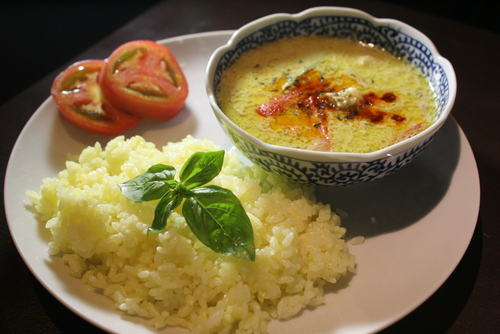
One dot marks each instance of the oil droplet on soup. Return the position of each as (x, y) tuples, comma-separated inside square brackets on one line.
[(326, 94)]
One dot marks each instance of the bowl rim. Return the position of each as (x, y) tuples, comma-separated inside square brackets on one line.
[(302, 154)]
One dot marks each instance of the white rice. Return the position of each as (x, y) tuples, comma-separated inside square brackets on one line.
[(357, 240), (170, 277)]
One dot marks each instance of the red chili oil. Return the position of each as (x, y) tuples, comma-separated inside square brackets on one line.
[(303, 102)]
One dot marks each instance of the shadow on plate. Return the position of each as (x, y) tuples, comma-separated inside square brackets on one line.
[(441, 310), (403, 198)]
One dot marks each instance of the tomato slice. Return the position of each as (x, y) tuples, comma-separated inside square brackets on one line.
[(144, 78), (78, 96)]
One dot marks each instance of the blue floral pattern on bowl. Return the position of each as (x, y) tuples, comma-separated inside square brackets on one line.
[(327, 173), (394, 41), (324, 173)]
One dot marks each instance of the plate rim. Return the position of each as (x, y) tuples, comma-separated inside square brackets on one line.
[(10, 219)]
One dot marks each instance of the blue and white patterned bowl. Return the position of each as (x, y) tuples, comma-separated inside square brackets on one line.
[(326, 168)]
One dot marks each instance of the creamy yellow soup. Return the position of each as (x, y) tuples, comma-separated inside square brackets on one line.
[(326, 94)]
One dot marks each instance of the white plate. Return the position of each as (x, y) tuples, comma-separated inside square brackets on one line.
[(418, 222)]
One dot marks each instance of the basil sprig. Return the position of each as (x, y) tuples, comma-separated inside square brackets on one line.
[(214, 214)]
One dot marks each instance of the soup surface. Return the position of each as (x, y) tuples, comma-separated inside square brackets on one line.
[(326, 94)]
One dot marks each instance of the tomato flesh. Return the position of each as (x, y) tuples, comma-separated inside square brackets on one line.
[(79, 98), (144, 78)]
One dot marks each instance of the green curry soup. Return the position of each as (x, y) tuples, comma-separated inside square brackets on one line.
[(326, 94)]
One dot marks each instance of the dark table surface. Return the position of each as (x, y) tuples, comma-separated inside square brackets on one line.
[(468, 302)]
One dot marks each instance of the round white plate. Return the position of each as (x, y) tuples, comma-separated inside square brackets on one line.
[(418, 222)]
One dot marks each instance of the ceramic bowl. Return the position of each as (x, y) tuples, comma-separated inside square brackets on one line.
[(327, 168)]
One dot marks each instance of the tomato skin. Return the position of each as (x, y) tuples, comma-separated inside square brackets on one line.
[(78, 97), (144, 78)]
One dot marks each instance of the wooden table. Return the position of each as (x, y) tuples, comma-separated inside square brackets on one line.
[(468, 302)]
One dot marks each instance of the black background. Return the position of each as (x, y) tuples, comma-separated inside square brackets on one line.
[(38, 36)]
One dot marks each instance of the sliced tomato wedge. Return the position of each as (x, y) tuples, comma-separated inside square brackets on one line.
[(144, 78), (78, 96)]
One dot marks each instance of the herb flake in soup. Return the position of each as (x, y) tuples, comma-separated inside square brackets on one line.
[(326, 94)]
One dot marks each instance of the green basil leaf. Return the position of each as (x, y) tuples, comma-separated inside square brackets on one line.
[(217, 218), (150, 185), (201, 168), (163, 209), (214, 214)]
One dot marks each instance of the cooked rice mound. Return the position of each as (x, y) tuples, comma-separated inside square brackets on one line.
[(171, 278)]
